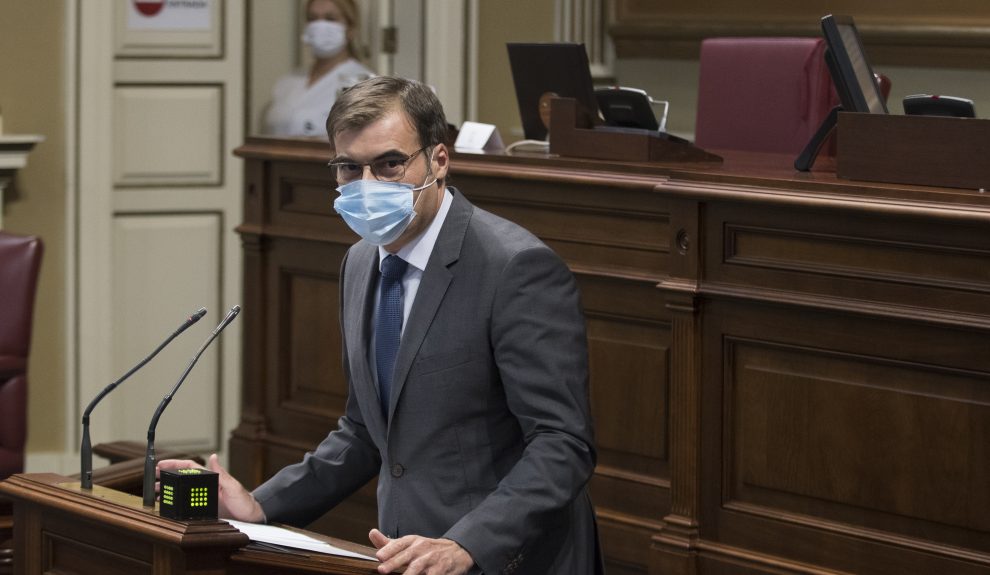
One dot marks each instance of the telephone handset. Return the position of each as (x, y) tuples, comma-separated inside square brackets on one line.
[(630, 108)]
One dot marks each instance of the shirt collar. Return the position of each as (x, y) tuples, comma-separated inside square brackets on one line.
[(417, 251)]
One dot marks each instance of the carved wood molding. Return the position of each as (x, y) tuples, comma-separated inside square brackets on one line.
[(953, 36)]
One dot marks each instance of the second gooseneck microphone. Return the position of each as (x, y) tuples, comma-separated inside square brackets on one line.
[(149, 461)]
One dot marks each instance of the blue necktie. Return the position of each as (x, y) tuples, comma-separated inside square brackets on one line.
[(389, 328)]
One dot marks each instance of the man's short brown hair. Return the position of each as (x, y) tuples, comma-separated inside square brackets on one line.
[(368, 101)]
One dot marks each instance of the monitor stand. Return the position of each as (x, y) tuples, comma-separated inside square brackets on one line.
[(807, 158)]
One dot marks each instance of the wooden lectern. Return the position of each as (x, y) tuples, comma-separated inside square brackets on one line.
[(59, 528)]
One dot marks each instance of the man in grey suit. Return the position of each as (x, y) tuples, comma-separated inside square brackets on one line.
[(465, 354)]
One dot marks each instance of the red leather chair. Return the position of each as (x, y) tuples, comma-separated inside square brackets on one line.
[(762, 94), (20, 260)]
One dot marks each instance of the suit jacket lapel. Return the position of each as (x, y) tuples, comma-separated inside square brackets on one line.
[(432, 289)]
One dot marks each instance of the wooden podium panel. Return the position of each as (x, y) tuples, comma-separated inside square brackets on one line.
[(788, 371), (261, 562), (60, 528)]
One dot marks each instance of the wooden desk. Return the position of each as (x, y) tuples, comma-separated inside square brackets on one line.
[(789, 372)]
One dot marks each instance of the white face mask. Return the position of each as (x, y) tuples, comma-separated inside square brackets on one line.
[(325, 38)]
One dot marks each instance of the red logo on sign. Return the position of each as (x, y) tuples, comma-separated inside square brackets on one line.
[(149, 7)]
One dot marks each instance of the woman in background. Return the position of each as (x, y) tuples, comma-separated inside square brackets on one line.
[(301, 101)]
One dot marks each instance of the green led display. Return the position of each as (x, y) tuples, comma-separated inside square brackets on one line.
[(189, 494)]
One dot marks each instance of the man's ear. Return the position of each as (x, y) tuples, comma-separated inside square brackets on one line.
[(441, 162)]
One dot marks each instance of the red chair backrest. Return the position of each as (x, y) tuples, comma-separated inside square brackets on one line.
[(761, 94), (20, 261)]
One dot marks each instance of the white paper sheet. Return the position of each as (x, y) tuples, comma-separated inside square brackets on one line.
[(286, 538)]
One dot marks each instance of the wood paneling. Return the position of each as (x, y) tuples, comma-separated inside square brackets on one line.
[(896, 148), (913, 33), (796, 413), (311, 340), (844, 395), (578, 219), (304, 338), (64, 555), (898, 261), (636, 357)]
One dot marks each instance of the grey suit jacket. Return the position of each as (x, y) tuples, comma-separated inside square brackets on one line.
[(489, 439)]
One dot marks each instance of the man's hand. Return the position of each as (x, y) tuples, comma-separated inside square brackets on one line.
[(415, 555), (233, 500)]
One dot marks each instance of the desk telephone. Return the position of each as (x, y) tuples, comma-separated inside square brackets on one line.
[(630, 108)]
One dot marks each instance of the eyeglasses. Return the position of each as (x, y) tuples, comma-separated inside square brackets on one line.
[(387, 169)]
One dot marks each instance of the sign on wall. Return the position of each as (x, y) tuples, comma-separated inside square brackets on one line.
[(169, 14), (169, 29)]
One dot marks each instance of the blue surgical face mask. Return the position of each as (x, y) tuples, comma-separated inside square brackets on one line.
[(377, 211)]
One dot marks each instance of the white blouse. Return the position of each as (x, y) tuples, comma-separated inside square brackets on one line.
[(301, 110)]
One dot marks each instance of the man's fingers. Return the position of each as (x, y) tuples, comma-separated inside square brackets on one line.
[(397, 563), (416, 555), (394, 547), (171, 464), (410, 554), (378, 539), (213, 464)]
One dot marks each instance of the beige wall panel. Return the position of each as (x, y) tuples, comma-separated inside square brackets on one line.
[(165, 267), (675, 81), (274, 48), (33, 97), (167, 135), (501, 22), (444, 66), (972, 84), (203, 38)]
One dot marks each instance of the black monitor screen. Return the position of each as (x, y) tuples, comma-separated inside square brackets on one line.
[(851, 71), (551, 67)]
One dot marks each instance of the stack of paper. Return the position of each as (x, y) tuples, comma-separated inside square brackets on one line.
[(273, 535)]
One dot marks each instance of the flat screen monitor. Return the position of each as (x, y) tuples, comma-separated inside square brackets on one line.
[(851, 71), (560, 68)]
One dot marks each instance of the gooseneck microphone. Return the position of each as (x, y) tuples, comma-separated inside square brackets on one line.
[(86, 449), (149, 460)]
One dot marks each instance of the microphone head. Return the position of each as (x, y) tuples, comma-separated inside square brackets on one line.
[(190, 320), (229, 318), (232, 314)]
